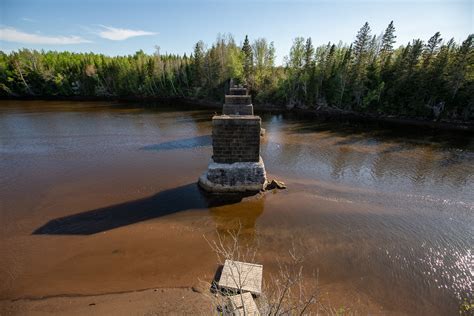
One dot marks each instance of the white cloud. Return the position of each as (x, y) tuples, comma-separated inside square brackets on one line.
[(10, 34), (117, 34), (28, 19)]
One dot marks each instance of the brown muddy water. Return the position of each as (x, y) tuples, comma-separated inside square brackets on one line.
[(101, 198)]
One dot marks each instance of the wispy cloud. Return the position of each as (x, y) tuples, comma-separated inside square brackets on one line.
[(11, 34), (28, 19), (118, 34)]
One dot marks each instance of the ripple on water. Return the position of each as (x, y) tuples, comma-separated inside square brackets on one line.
[(411, 194)]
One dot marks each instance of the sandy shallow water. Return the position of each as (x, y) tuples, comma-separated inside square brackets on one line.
[(101, 199)]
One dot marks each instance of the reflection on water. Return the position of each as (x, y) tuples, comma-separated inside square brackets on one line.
[(427, 176), (242, 219), (433, 162), (388, 212)]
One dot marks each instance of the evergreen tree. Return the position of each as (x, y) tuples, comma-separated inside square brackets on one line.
[(432, 80), (198, 65), (361, 53), (388, 39), (463, 59), (431, 48), (248, 61), (308, 53), (310, 83), (361, 44)]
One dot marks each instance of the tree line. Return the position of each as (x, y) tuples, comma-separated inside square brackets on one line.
[(431, 80)]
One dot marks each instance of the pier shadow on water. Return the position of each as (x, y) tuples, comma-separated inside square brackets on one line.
[(186, 143), (179, 199)]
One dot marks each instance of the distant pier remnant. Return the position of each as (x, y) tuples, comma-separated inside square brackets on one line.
[(237, 102), (236, 165)]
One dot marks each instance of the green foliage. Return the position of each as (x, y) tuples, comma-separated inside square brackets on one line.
[(432, 80)]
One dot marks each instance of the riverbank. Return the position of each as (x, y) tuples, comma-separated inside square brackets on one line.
[(155, 301), (321, 113), (350, 116)]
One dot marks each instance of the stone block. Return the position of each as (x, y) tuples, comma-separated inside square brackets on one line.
[(242, 305), (236, 138), (237, 91), (238, 99), (237, 109), (242, 277), (234, 177)]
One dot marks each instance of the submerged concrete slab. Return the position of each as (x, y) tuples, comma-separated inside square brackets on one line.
[(242, 277), (234, 177), (242, 304)]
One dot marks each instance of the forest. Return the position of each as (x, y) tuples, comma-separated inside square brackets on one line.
[(431, 79)]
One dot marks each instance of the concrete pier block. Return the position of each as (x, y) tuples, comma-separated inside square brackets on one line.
[(242, 305), (234, 177), (242, 277)]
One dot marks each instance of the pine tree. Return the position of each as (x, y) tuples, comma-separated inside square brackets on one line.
[(248, 60), (212, 67), (433, 42), (411, 87), (361, 54), (431, 48), (198, 65), (414, 54), (463, 58), (361, 44), (388, 39), (308, 53), (309, 84), (373, 49), (437, 90)]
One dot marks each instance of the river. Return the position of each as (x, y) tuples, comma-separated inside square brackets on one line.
[(101, 197)]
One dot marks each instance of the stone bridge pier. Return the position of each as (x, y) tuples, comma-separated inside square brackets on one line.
[(236, 165)]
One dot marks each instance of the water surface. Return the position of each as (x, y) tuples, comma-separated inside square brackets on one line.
[(101, 197)]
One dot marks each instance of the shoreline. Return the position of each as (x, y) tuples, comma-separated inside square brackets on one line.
[(151, 301), (326, 114)]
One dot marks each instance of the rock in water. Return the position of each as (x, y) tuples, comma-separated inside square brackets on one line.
[(275, 184)]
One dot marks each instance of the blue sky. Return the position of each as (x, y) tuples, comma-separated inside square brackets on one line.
[(122, 27)]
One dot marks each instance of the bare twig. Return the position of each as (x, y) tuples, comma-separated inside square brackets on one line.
[(287, 292)]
